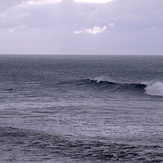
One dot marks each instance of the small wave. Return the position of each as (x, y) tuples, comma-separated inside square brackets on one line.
[(32, 144), (155, 89)]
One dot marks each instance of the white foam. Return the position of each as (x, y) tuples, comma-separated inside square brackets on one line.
[(103, 78), (155, 89)]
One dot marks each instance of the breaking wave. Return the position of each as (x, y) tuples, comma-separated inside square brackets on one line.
[(155, 89), (149, 88)]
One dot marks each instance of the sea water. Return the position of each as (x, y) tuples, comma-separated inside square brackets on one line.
[(86, 109)]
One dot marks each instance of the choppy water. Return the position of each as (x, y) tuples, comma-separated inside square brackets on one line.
[(81, 109)]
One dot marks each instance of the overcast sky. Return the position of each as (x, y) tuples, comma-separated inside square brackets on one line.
[(81, 27)]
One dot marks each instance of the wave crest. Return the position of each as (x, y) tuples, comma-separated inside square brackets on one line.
[(104, 78)]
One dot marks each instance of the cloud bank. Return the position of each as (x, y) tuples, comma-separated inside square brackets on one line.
[(79, 27)]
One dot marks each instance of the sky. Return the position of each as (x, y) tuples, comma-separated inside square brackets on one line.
[(120, 27)]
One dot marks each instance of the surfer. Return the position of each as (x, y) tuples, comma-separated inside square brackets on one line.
[(9, 89)]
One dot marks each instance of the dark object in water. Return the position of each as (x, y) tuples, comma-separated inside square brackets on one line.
[(9, 89)]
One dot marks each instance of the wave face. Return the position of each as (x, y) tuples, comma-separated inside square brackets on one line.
[(148, 88)]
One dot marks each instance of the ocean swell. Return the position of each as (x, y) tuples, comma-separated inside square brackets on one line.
[(113, 85)]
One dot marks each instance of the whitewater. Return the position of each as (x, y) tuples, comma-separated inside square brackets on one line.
[(90, 109)]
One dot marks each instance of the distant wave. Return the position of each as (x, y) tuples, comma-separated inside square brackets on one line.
[(149, 88)]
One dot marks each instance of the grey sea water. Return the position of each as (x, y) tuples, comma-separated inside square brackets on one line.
[(86, 109)]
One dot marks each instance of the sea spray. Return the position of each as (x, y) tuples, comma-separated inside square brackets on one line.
[(155, 89)]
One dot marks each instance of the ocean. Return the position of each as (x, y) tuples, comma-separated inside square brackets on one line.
[(81, 109)]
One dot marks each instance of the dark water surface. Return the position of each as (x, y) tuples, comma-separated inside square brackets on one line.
[(69, 109)]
